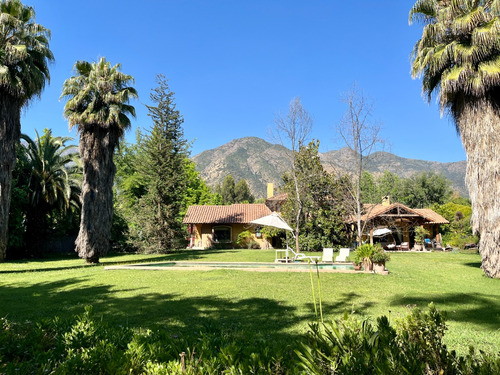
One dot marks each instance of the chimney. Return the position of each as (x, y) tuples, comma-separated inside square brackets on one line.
[(270, 189), (386, 201)]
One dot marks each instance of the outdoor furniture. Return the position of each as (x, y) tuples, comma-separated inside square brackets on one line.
[(302, 256), (343, 255), (327, 254), (403, 246), (282, 256), (390, 246)]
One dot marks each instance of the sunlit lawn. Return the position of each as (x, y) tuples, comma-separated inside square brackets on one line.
[(275, 306)]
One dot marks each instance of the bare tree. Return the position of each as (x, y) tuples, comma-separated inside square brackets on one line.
[(360, 134), (291, 132)]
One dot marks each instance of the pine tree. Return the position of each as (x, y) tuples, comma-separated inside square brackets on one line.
[(164, 171)]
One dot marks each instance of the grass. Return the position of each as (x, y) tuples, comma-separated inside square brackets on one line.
[(265, 305)]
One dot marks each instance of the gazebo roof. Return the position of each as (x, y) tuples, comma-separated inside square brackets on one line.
[(400, 211)]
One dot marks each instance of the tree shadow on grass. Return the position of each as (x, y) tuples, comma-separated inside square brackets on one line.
[(259, 318), (186, 255), (477, 308), (473, 264), (350, 302)]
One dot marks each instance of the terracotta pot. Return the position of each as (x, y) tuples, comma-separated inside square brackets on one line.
[(357, 267)]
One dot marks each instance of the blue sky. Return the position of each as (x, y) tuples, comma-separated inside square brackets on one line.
[(234, 65)]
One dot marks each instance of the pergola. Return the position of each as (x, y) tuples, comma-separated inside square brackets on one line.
[(399, 217)]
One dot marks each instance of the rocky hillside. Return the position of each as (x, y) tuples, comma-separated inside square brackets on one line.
[(260, 162)]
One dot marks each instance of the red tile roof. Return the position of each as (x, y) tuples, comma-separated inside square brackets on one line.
[(432, 216), (233, 214)]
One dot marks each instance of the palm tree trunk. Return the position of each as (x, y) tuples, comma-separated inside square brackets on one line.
[(10, 132), (97, 146), (479, 125)]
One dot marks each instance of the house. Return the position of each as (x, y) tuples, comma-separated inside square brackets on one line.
[(213, 225), (400, 219)]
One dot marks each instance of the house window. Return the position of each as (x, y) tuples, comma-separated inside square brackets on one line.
[(258, 232), (222, 234)]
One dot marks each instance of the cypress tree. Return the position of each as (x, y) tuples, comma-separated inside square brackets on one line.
[(164, 171)]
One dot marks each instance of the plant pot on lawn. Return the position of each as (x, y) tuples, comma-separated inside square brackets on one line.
[(379, 267), (379, 258)]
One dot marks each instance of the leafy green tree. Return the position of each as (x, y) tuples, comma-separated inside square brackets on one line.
[(227, 190), (321, 219), (54, 182), (389, 184), (197, 191), (232, 192), (425, 189), (242, 193), (164, 172), (24, 59), (19, 202), (98, 96), (368, 187), (458, 57)]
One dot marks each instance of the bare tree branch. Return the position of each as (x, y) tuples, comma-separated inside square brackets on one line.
[(291, 132), (360, 134)]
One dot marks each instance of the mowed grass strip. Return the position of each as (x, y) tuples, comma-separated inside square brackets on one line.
[(265, 305)]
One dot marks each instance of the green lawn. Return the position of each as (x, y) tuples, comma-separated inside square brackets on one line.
[(276, 306)]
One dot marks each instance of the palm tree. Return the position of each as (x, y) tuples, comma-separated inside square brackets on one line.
[(458, 57), (24, 59), (98, 96), (54, 182)]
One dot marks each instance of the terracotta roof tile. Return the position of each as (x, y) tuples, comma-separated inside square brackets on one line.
[(432, 216), (233, 214)]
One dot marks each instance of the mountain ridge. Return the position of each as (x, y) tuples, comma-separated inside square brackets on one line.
[(260, 162)]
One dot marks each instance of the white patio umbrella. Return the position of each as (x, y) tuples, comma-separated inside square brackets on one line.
[(273, 220), (381, 232)]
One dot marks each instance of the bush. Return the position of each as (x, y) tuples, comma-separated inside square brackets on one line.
[(86, 345), (380, 256), (350, 346), (244, 239)]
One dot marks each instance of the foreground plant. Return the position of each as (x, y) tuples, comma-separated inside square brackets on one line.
[(458, 57), (98, 96), (24, 59)]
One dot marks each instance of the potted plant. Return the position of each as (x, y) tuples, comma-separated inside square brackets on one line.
[(379, 258), (356, 261), (364, 253), (420, 233)]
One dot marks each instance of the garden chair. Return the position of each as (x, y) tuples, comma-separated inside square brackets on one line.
[(343, 255), (404, 246), (302, 256), (327, 255)]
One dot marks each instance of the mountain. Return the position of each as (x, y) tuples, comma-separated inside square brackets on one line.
[(260, 162)]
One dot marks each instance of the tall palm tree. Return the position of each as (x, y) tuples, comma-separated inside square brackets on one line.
[(458, 58), (98, 96), (24, 59), (54, 182)]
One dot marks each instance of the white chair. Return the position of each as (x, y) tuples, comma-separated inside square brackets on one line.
[(343, 255), (327, 254), (302, 256)]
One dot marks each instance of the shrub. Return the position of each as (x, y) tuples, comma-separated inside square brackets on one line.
[(243, 239), (380, 256), (351, 346), (86, 345)]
